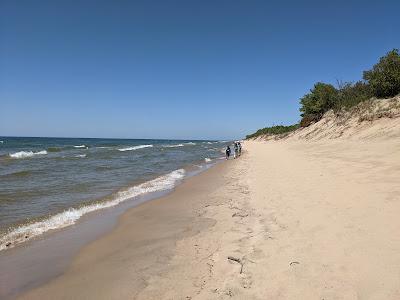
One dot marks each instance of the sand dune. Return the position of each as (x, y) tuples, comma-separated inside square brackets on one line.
[(370, 120)]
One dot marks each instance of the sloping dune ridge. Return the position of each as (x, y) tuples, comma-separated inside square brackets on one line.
[(312, 215), (370, 120)]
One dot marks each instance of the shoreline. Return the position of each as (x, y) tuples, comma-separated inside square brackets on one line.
[(138, 236), (287, 220), (57, 248), (68, 179)]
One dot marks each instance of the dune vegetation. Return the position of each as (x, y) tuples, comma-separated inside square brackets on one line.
[(382, 81)]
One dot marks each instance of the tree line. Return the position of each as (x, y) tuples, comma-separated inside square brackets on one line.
[(382, 81)]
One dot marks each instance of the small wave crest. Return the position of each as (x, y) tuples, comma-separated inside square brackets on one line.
[(25, 154), (80, 156), (80, 146), (70, 216), (210, 143), (179, 145), (207, 159), (16, 174), (174, 146), (135, 148)]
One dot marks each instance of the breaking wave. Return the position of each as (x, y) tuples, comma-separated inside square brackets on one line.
[(135, 148), (80, 146), (179, 145), (174, 146), (25, 154), (70, 216)]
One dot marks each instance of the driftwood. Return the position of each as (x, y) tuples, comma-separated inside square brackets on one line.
[(241, 215), (238, 260), (294, 263)]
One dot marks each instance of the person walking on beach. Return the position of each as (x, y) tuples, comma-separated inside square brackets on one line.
[(228, 152), (240, 148), (236, 149)]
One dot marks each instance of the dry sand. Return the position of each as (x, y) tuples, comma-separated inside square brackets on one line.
[(305, 219)]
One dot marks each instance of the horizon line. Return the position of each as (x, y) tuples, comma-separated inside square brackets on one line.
[(112, 138)]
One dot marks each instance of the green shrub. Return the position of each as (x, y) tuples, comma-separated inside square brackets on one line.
[(350, 94), (320, 99), (384, 78), (274, 130), (382, 81), (324, 97)]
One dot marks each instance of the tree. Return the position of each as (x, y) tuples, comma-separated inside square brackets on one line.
[(384, 78), (350, 94), (320, 99)]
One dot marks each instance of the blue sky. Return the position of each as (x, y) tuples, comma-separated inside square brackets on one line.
[(178, 69)]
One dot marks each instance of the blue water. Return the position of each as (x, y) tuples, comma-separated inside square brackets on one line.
[(48, 183)]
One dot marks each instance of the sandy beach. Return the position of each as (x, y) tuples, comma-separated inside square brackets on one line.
[(289, 219), (182, 150)]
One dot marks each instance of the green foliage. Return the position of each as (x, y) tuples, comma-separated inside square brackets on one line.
[(320, 99), (324, 97), (384, 78), (383, 81), (350, 94), (279, 129)]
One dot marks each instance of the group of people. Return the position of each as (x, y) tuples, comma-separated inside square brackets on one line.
[(237, 148)]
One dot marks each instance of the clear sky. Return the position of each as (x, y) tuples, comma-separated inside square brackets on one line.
[(178, 69)]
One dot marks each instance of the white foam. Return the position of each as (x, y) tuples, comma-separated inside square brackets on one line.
[(81, 155), (207, 159), (25, 154), (70, 216), (1, 142), (210, 143), (180, 145), (80, 146), (174, 146), (135, 148)]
